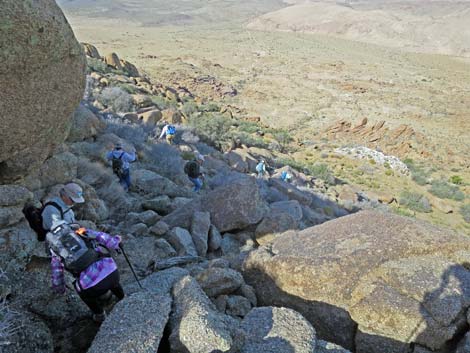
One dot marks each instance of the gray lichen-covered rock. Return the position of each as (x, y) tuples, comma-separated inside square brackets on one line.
[(85, 125), (59, 169), (233, 206), (277, 330), (196, 326), (36, 103), (182, 241), (328, 347), (215, 239), (200, 231), (237, 305), (151, 184), (372, 280), (12, 195), (160, 283), (216, 281), (135, 325)]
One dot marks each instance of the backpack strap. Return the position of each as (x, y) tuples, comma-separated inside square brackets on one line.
[(55, 205)]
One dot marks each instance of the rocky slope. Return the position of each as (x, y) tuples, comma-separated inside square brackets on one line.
[(198, 255)]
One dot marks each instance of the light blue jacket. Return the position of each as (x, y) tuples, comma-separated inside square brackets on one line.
[(126, 157)]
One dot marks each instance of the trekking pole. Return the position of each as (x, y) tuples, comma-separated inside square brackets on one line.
[(130, 265)]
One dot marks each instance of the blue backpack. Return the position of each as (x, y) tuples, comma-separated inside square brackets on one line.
[(171, 130)]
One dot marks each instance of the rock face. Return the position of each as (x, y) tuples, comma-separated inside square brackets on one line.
[(135, 325), (196, 326), (234, 206), (36, 102), (277, 330), (370, 280)]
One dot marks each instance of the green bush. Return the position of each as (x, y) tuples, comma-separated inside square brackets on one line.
[(456, 179), (187, 156), (321, 171), (189, 108), (248, 126), (283, 137), (415, 202), (128, 88), (117, 99), (465, 212), (96, 65), (211, 107), (213, 128), (161, 102), (444, 190), (249, 140)]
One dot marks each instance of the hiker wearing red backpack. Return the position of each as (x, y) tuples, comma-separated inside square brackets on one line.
[(85, 253), (121, 160)]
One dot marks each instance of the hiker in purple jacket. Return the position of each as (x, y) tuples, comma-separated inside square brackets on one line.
[(97, 279)]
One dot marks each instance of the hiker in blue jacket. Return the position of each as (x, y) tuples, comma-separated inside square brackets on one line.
[(120, 160)]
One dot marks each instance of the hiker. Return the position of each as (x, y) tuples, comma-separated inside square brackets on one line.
[(120, 160), (169, 132), (285, 176), (261, 168), (193, 170), (84, 253), (60, 208)]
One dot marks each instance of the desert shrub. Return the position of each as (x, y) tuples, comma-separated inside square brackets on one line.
[(415, 202), (389, 172), (8, 325), (456, 179), (189, 108), (131, 89), (117, 99), (283, 137), (136, 134), (444, 190), (248, 126), (211, 107), (212, 128), (189, 137), (165, 160), (161, 102), (96, 65), (281, 162), (249, 140), (187, 156), (465, 212), (321, 171), (418, 174)]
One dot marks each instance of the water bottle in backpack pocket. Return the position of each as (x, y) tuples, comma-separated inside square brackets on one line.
[(76, 252)]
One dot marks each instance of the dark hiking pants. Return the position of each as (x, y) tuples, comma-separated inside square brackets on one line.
[(91, 295)]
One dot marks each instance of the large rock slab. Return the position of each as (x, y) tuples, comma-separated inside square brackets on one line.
[(200, 226), (392, 280), (151, 184), (85, 125), (277, 330), (216, 281), (196, 326), (135, 325), (234, 206), (36, 103), (282, 216)]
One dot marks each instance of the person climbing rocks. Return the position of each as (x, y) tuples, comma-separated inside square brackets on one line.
[(120, 161), (85, 254), (285, 176), (59, 208), (261, 168), (193, 170), (169, 132)]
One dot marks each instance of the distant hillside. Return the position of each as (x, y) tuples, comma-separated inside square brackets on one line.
[(436, 27), (176, 12)]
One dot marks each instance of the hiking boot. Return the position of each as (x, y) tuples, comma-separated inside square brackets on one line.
[(99, 318)]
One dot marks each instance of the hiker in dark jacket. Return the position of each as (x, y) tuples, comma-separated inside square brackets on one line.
[(60, 207), (97, 278), (193, 170), (121, 160)]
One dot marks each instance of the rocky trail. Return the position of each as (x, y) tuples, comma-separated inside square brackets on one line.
[(248, 265)]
